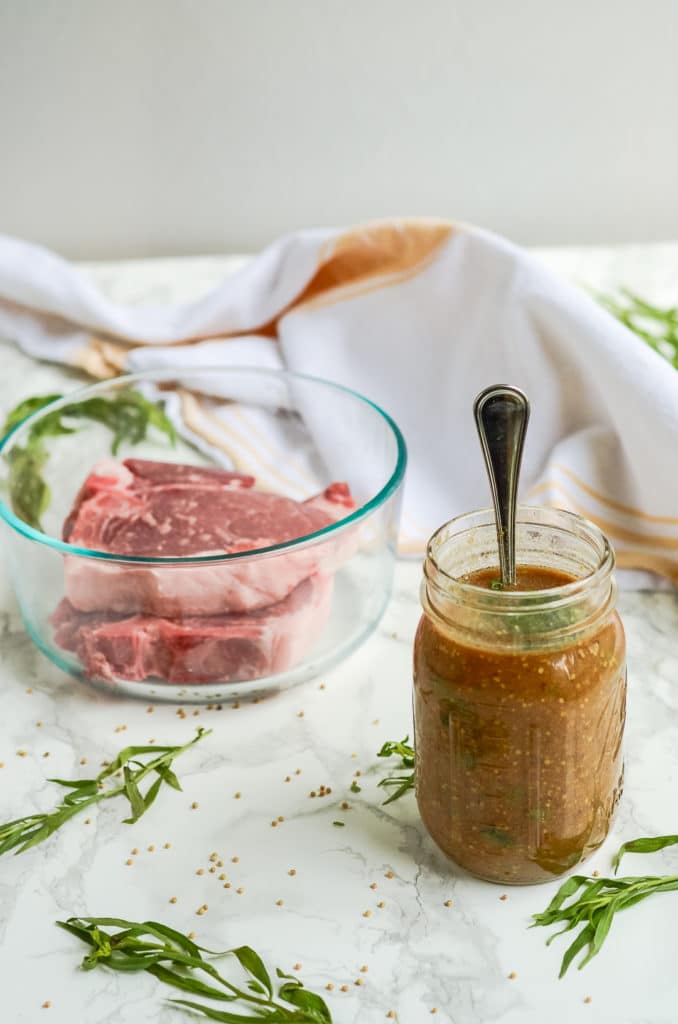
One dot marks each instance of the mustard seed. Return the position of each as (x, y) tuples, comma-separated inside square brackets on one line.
[(389, 874), (129, 862), (367, 913), (151, 848), (134, 852), (212, 870), (288, 778), (358, 981), (513, 976), (200, 871), (83, 760), (448, 903), (297, 967), (364, 969), (279, 903), (235, 859), (329, 986), (322, 686), (280, 818), (434, 1009), (587, 999), (88, 821), (373, 885), (344, 988), (222, 877), (191, 935), (173, 899), (595, 873), (381, 904), (292, 871), (195, 805), (240, 891), (166, 846), (300, 714), (503, 897), (21, 753), (237, 796), (227, 885), (220, 863), (150, 710), (344, 806), (48, 1002), (390, 1014), (297, 771), (39, 725), (274, 824), (312, 793)]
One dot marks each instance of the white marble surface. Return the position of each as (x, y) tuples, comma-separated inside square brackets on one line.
[(421, 954)]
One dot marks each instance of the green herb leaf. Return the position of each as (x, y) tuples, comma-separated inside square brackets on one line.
[(657, 326), (647, 844), (590, 904), (401, 784), (339, 824), (354, 787), (178, 962), (128, 415), (23, 833)]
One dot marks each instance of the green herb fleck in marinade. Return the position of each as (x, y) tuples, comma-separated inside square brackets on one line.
[(127, 415), (593, 902), (177, 961), (23, 833), (401, 784)]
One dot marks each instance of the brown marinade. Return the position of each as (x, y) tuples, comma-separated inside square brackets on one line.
[(519, 765)]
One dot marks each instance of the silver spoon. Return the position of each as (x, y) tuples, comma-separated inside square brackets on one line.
[(501, 415)]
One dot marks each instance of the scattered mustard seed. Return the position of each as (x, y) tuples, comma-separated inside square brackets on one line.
[(288, 778), (129, 862), (448, 903), (237, 796), (300, 714), (200, 871), (357, 774), (21, 753), (173, 899), (83, 760), (322, 686), (292, 871), (381, 904), (212, 870), (195, 805), (358, 981), (274, 824), (88, 821), (312, 793), (222, 877), (367, 913), (373, 885), (297, 771), (195, 713), (150, 710), (503, 896), (595, 873), (587, 999), (297, 967), (344, 988), (39, 725), (166, 846), (279, 903), (235, 859), (344, 806), (48, 1002), (364, 969), (434, 1009), (220, 863), (29, 690), (329, 986), (240, 890), (200, 911), (151, 848), (227, 885), (134, 851), (389, 874), (191, 935), (390, 1014), (512, 976)]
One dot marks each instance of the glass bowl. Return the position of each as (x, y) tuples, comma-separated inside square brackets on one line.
[(205, 626)]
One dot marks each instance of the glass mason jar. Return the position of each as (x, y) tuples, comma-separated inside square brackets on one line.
[(519, 698)]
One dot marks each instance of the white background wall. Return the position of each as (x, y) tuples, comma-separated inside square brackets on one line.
[(139, 127)]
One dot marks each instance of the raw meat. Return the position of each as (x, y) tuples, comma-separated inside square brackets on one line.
[(207, 649), (154, 509)]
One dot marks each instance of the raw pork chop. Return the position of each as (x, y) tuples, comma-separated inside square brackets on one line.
[(141, 508), (208, 649)]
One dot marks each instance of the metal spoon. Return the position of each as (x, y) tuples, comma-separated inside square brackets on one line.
[(501, 415)]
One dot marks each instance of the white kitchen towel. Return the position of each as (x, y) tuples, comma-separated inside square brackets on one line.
[(419, 316)]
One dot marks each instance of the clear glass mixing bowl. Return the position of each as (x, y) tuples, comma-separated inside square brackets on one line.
[(178, 628)]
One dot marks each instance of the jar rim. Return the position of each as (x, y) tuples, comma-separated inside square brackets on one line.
[(538, 515)]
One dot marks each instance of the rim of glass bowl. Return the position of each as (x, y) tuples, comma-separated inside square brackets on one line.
[(78, 394)]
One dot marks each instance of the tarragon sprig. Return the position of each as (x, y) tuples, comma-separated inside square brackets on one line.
[(656, 325), (179, 962), (23, 833), (591, 903), (128, 415), (401, 784)]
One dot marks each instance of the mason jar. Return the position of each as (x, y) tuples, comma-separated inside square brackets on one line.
[(519, 696)]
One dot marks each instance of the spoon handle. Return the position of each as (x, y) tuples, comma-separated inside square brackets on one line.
[(501, 415)]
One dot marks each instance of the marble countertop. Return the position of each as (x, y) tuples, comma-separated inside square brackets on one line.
[(374, 892)]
